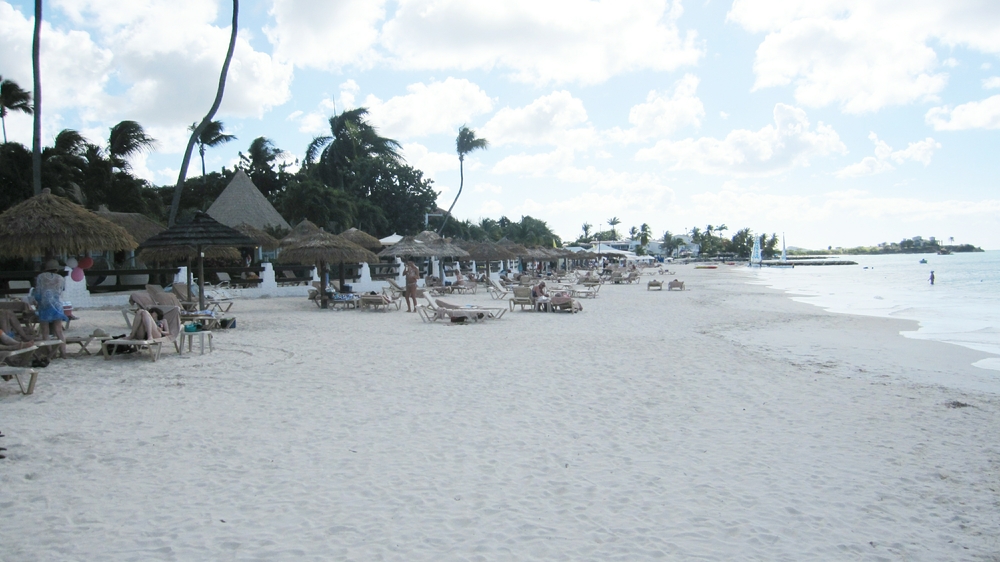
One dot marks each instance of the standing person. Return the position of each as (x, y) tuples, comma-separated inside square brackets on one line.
[(412, 274), (932, 278), (49, 287)]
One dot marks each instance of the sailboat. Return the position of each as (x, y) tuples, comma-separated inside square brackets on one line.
[(755, 255), (784, 256)]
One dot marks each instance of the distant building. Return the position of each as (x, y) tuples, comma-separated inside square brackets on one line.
[(242, 202)]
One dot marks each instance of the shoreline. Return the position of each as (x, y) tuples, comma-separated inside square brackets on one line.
[(722, 422)]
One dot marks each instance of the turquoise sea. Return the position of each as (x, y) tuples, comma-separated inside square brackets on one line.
[(961, 308)]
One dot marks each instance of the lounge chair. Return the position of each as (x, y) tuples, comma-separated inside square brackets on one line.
[(380, 301), (440, 310), (587, 292), (522, 296), (146, 335), (675, 284), (190, 302), (334, 297), (290, 280), (496, 290), (8, 370), (562, 300), (654, 284)]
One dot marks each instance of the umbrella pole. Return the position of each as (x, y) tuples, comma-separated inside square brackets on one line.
[(324, 301), (188, 276), (341, 276), (201, 278)]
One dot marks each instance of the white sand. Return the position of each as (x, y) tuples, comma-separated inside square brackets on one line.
[(721, 423)]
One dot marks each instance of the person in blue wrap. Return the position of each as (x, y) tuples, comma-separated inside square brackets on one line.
[(49, 287)]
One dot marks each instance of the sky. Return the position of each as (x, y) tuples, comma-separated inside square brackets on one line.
[(831, 122)]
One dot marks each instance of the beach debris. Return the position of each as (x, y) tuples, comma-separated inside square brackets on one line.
[(956, 404)]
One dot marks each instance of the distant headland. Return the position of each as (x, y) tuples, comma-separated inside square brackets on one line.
[(915, 245)]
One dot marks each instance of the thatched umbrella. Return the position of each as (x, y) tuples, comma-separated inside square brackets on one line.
[(203, 231), (489, 251), (138, 225), (302, 229), (263, 239), (363, 239), (46, 224), (514, 248), (409, 247), (185, 253), (323, 247)]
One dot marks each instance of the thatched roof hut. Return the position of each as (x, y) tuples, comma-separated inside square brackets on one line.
[(325, 247), (263, 239), (409, 247), (363, 239), (138, 225), (301, 230), (48, 223), (242, 202)]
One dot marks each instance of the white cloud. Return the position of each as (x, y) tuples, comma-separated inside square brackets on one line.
[(983, 114), (438, 107), (663, 113), (723, 115), (920, 151), (325, 35), (491, 208), (789, 143), (991, 83), (746, 205), (534, 164), (164, 58), (487, 188), (843, 51), (430, 163), (556, 119), (541, 42)]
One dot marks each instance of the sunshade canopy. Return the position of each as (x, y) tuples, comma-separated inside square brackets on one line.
[(49, 223), (363, 239), (326, 247)]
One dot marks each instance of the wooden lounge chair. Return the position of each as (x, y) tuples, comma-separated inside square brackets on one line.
[(334, 297), (562, 300), (675, 284), (146, 336), (522, 296), (654, 284), (587, 292)]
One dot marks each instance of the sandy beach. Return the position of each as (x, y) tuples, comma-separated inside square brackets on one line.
[(724, 422)]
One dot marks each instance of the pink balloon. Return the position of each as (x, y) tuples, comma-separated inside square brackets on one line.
[(87, 262), (76, 274)]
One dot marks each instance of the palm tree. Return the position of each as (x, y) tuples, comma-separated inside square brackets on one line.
[(126, 140), (465, 143), (351, 139), (633, 233), (613, 222), (176, 202), (586, 230), (211, 135), (12, 98), (645, 233), (36, 129)]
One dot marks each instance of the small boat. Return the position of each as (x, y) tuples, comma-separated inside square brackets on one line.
[(944, 252), (923, 261), (706, 267)]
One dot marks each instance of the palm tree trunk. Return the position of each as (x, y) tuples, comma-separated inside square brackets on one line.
[(461, 182), (4, 122), (36, 136), (201, 151), (175, 204)]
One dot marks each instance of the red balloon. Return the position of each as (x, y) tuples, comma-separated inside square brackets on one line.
[(87, 262), (76, 274)]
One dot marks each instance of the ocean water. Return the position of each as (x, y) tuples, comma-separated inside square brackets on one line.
[(961, 308)]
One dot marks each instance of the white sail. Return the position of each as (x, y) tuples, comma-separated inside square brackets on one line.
[(784, 256), (755, 256)]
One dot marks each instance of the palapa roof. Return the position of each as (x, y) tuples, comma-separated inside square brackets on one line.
[(263, 239), (363, 239), (428, 236), (489, 251), (302, 229), (410, 247), (174, 254), (391, 239), (138, 225), (47, 222), (242, 202), (327, 247), (515, 248), (202, 231)]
